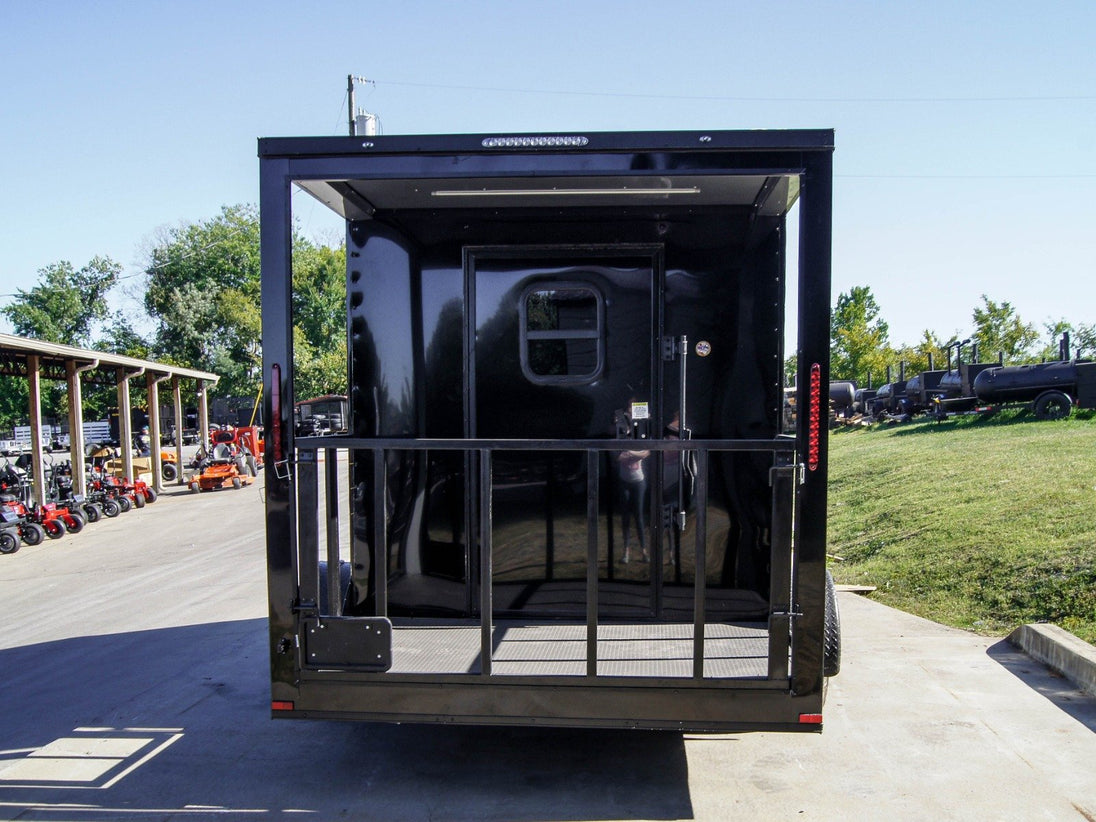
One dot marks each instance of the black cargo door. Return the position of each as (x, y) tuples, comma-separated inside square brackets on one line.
[(562, 345)]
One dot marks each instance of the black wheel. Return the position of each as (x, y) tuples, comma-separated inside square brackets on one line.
[(151, 496), (139, 500), (75, 523), (9, 542), (32, 533), (831, 652), (124, 504), (169, 471), (93, 512), (1053, 405), (54, 528), (111, 508), (236, 482)]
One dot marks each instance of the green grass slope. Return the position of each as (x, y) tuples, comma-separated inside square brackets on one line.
[(980, 523)]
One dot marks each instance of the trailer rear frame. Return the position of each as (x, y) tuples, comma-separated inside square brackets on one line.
[(326, 663)]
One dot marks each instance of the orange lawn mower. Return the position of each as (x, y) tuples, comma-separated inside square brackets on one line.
[(227, 466)]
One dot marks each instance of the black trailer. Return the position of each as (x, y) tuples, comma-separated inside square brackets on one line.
[(565, 496)]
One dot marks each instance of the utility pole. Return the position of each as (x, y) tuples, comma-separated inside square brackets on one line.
[(350, 98), (364, 123)]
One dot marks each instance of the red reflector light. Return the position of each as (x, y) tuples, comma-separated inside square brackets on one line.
[(814, 425), (281, 705), (810, 719)]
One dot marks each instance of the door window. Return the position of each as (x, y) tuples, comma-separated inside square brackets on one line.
[(562, 339)]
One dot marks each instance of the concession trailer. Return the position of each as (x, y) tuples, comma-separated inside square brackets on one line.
[(565, 495)]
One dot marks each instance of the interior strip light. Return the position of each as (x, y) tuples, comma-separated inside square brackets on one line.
[(563, 192), (543, 141)]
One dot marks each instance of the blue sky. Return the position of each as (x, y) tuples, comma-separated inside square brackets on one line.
[(966, 132)]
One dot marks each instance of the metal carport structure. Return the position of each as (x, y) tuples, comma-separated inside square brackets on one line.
[(36, 360)]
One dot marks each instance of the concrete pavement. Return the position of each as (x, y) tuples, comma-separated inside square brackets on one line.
[(133, 665)]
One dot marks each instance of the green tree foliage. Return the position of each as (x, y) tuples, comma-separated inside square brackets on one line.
[(1082, 340), (998, 328), (858, 338), (65, 307), (66, 304), (204, 290), (916, 357)]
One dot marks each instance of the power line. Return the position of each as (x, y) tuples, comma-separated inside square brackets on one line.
[(1012, 98)]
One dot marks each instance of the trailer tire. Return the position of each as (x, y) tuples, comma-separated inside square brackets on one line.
[(32, 533), (831, 651), (9, 542), (1053, 405), (169, 471), (111, 508)]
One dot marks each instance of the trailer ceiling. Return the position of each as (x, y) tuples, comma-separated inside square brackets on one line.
[(769, 195)]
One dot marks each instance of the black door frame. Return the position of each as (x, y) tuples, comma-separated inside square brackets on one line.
[(473, 504)]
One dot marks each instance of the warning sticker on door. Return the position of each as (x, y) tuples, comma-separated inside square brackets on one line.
[(640, 411)]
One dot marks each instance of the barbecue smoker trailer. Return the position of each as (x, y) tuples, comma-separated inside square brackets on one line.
[(564, 496)]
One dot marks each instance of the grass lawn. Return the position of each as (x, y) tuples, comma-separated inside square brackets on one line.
[(980, 523)]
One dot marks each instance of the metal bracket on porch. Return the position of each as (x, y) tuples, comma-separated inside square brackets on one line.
[(361, 643), (797, 471)]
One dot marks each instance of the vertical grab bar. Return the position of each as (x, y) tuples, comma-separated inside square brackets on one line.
[(701, 561), (308, 529), (486, 599), (380, 531), (334, 575), (593, 464)]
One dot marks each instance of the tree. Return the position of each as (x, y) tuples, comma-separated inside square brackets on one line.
[(204, 290), (916, 357), (64, 307), (998, 328), (65, 304), (858, 338)]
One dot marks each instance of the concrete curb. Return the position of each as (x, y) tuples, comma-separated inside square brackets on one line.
[(1059, 650)]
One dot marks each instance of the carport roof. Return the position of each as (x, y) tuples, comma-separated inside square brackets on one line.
[(14, 352)]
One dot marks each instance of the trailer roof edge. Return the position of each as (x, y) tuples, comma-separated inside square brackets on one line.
[(717, 140)]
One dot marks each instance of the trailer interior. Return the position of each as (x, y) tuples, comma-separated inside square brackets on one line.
[(567, 493)]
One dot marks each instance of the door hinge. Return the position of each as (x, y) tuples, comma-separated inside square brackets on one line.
[(673, 517), (672, 346)]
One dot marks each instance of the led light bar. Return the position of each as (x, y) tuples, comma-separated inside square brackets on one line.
[(557, 141), (814, 424)]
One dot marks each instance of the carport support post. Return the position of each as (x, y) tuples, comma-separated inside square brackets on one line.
[(34, 388), (125, 423), (203, 415), (76, 424), (177, 395), (152, 382)]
